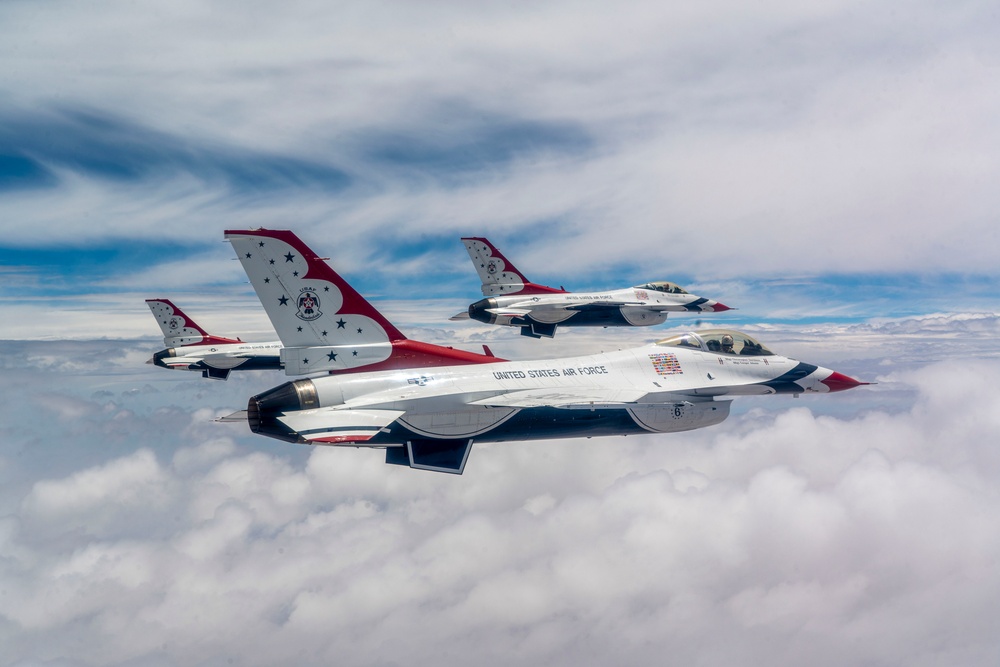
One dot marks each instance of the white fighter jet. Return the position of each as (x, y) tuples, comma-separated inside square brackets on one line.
[(427, 415), (191, 348), (514, 301)]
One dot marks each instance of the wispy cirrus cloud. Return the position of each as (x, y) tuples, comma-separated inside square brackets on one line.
[(734, 142)]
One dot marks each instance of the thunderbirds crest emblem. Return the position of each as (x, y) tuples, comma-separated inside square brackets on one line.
[(491, 267), (308, 304), (175, 323)]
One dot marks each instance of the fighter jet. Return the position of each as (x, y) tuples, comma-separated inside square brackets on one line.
[(514, 301), (191, 348), (428, 417)]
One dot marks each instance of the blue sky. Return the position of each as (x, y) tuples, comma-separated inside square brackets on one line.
[(855, 156), (829, 169)]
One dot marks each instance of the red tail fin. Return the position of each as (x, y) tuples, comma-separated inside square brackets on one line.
[(179, 329), (497, 273), (324, 324)]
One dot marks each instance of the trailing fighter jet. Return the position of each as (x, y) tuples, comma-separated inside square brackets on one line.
[(191, 348), (514, 301), (324, 325), (428, 416)]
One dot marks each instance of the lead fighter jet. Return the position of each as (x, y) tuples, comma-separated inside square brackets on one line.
[(426, 413), (514, 301)]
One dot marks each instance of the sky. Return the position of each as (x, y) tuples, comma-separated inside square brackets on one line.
[(828, 169)]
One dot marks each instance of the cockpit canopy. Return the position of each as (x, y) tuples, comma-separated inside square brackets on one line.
[(662, 286), (718, 341)]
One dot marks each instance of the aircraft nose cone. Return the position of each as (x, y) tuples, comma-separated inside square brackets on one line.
[(720, 307), (840, 382)]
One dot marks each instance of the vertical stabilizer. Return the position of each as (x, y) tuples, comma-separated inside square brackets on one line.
[(323, 323), (179, 329), (498, 275)]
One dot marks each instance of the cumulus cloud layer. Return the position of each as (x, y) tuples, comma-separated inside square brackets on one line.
[(796, 532)]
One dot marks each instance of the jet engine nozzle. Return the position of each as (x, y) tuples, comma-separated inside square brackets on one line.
[(479, 311), (163, 354), (264, 409)]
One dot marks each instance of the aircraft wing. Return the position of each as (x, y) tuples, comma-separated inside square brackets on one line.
[(691, 306), (563, 397), (596, 397), (592, 305), (332, 425), (227, 360)]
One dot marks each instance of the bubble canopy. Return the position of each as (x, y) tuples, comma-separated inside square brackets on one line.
[(718, 341), (662, 286)]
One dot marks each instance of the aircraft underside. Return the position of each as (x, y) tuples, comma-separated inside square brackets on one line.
[(450, 455), (446, 434), (217, 368), (215, 372), (589, 316), (548, 423)]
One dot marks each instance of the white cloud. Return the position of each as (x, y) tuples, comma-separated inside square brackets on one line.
[(128, 481), (775, 537)]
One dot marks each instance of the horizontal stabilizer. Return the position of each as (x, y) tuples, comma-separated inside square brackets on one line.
[(458, 317), (238, 416), (333, 426), (509, 312)]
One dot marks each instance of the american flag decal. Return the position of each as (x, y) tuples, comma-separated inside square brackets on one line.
[(665, 363)]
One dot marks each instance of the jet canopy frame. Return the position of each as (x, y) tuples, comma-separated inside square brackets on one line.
[(662, 286), (719, 341)]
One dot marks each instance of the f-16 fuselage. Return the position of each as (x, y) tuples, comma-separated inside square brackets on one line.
[(217, 360), (642, 305), (678, 384)]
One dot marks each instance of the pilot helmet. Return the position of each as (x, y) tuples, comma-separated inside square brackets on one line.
[(727, 341)]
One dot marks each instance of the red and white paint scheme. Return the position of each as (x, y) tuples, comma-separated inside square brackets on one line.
[(191, 348), (514, 301), (426, 411), (324, 324)]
